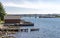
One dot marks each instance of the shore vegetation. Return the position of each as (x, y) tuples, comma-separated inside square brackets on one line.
[(2, 12)]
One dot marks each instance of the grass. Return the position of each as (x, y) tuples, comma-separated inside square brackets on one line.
[(1, 22)]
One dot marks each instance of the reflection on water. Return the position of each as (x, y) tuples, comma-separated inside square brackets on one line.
[(48, 28)]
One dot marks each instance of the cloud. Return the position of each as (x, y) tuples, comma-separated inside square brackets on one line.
[(30, 5), (42, 7)]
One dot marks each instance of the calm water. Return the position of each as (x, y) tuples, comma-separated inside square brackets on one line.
[(48, 28)]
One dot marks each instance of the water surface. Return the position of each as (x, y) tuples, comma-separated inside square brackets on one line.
[(48, 28)]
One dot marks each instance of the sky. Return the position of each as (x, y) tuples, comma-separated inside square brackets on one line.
[(31, 6)]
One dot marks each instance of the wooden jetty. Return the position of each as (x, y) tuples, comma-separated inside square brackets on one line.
[(9, 29), (7, 37), (18, 24), (23, 30), (13, 30)]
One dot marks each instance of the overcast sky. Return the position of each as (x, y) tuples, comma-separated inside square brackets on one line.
[(31, 6)]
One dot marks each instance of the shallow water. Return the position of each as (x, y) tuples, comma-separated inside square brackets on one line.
[(48, 28)]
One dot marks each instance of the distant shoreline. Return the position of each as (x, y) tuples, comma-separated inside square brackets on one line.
[(37, 15)]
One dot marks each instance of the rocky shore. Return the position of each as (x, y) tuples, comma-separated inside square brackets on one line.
[(5, 31)]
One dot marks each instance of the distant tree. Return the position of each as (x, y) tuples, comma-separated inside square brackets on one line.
[(2, 12)]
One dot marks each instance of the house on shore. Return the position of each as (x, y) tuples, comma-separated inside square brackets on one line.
[(12, 19)]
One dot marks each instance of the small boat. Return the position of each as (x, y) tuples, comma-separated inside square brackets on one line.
[(34, 29)]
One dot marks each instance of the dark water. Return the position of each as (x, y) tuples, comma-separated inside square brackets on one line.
[(48, 28)]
